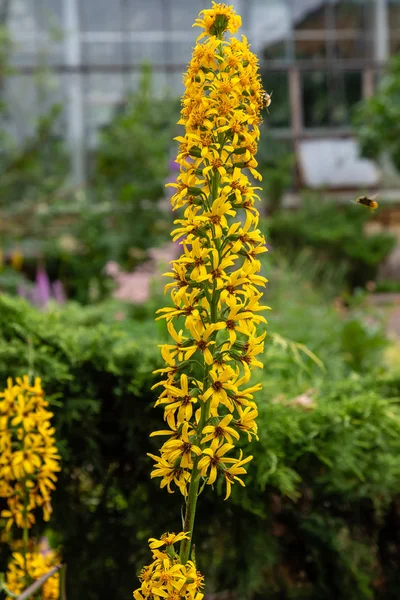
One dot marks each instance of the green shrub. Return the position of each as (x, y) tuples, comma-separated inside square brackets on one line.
[(325, 476), (325, 481), (276, 163), (130, 169), (333, 234), (377, 119)]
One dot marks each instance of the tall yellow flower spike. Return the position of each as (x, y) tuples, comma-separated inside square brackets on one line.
[(29, 459), (34, 565), (215, 284)]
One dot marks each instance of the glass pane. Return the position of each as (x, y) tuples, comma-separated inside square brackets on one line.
[(102, 53), (100, 15), (148, 15), (276, 82), (27, 96), (183, 13), (309, 15), (174, 84), (277, 51), (328, 98), (268, 25), (179, 52), (21, 17), (346, 89), (395, 43), (147, 51), (310, 49), (103, 88), (351, 15), (351, 46), (315, 99), (49, 15)]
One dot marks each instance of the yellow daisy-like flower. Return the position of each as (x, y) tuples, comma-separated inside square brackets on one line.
[(167, 539), (37, 565), (166, 576), (218, 19)]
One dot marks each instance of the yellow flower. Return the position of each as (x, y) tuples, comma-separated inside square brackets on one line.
[(29, 459), (220, 208), (195, 257), (170, 473), (218, 265), (181, 401), (167, 539), (166, 576), (211, 459), (182, 449), (221, 430), (189, 308), (24, 413), (231, 473), (246, 421), (235, 319), (201, 336), (222, 383), (38, 564), (25, 462), (218, 19)]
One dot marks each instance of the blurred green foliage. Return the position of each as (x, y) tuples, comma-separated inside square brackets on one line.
[(377, 119), (118, 216), (319, 515), (32, 172), (332, 233), (277, 177), (130, 169), (276, 164)]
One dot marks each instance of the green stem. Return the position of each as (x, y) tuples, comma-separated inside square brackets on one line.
[(25, 535), (191, 502)]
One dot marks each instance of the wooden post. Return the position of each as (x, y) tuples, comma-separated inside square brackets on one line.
[(296, 103), (74, 104), (368, 83)]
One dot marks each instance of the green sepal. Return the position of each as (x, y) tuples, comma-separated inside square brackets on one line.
[(195, 191)]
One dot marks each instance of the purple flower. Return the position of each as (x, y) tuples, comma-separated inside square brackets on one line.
[(59, 292), (173, 165), (43, 286)]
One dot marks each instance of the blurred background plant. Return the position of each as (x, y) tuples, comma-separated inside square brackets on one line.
[(332, 234), (324, 485), (119, 216), (376, 119), (277, 164), (130, 167)]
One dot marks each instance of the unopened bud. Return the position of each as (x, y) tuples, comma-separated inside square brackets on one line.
[(195, 191)]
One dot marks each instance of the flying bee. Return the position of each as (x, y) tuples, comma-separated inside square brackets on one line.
[(265, 99), (370, 203)]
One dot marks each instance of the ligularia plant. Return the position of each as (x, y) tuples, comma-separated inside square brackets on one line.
[(29, 462), (215, 286)]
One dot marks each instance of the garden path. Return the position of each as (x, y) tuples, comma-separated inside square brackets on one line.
[(136, 286)]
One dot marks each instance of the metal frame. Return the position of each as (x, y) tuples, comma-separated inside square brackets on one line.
[(77, 64)]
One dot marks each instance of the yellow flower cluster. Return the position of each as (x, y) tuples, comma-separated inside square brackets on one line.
[(166, 577), (208, 402), (218, 19), (37, 565), (29, 458)]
